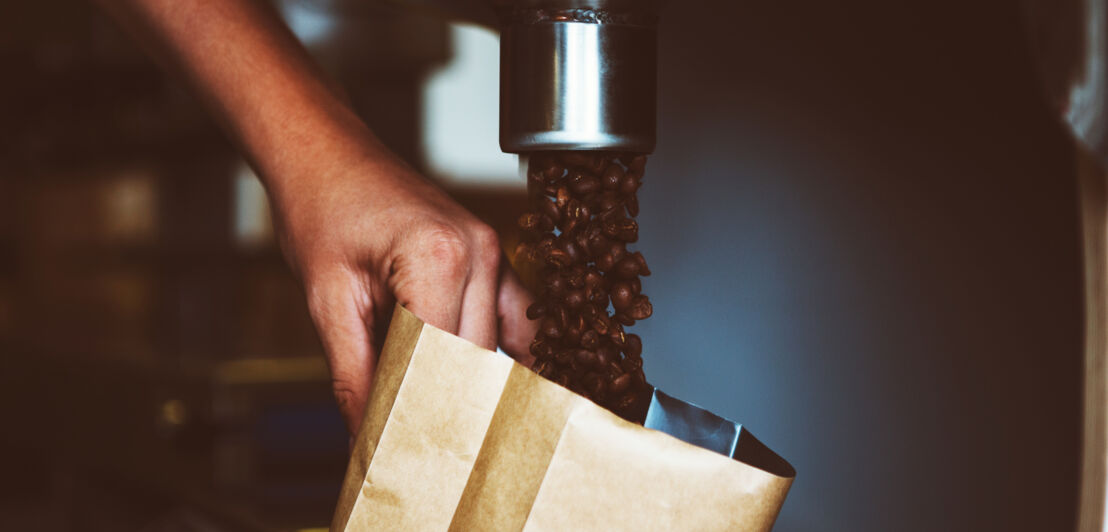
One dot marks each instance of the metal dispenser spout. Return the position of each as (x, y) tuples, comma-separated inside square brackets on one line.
[(578, 75)]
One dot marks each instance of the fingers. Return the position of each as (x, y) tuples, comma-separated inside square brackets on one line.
[(461, 284), (430, 278), (479, 305), (516, 331), (340, 308)]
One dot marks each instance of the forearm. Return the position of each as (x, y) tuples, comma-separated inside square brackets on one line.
[(246, 65)]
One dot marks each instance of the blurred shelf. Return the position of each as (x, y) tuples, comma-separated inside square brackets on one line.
[(257, 442)]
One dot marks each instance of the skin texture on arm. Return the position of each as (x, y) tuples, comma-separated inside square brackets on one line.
[(360, 228)]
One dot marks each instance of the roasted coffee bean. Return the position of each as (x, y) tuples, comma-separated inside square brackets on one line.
[(597, 295), (637, 164), (572, 336), (624, 229), (611, 177), (550, 327), (625, 402), (548, 209), (553, 172), (623, 319), (613, 369), (582, 241), (575, 368), (536, 177), (575, 298), (598, 201), (602, 324), (608, 203), (605, 262), (628, 184), (561, 197), (558, 257), (593, 279), (579, 213), (530, 221), (556, 284), (583, 184), (590, 339), (540, 366), (632, 204), (631, 364), (643, 270), (575, 276), (544, 245), (606, 355), (536, 310), (592, 201), (622, 295), (573, 252), (632, 346), (598, 243), (569, 227), (616, 335), (622, 383), (627, 268), (561, 316), (617, 250), (526, 252), (585, 357), (541, 349), (640, 308), (563, 356), (636, 286), (594, 385), (571, 205)]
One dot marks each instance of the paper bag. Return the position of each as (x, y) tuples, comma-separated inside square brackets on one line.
[(457, 437)]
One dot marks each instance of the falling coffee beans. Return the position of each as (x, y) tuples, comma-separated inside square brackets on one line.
[(582, 217)]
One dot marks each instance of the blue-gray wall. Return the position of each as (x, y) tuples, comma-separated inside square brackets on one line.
[(862, 225)]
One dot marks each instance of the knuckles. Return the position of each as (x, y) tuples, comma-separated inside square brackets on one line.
[(460, 250), (447, 249), (486, 250)]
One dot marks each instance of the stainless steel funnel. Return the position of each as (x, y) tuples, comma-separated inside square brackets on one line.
[(578, 75)]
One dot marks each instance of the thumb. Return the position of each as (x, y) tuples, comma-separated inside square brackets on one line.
[(340, 308), (516, 331)]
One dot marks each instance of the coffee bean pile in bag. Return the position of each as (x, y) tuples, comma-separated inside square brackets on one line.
[(582, 216)]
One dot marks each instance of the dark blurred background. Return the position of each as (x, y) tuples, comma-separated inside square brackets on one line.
[(861, 219)]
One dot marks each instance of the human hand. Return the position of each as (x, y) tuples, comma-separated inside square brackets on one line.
[(371, 233)]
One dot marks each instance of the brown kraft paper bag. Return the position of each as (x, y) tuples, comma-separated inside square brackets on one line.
[(457, 437)]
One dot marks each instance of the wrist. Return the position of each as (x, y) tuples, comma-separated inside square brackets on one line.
[(316, 152)]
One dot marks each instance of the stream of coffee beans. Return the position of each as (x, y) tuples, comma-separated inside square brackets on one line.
[(582, 216)]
